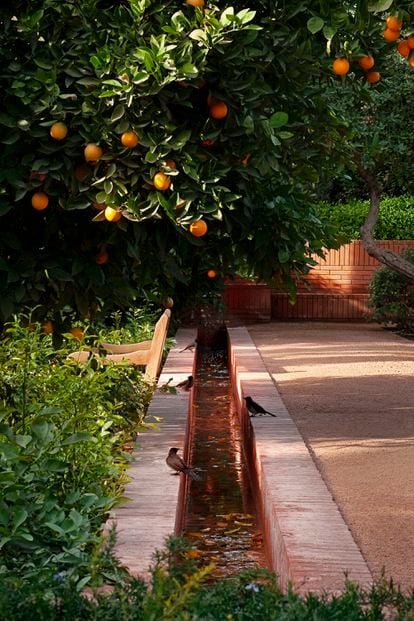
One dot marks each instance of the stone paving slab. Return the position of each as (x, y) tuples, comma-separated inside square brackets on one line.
[(144, 523), (309, 543)]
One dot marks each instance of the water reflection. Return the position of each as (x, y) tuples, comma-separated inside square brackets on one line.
[(220, 515)]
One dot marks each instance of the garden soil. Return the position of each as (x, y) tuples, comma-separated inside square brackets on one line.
[(350, 390)]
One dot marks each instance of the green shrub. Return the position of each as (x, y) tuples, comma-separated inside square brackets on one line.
[(395, 221), (392, 296), (62, 464), (178, 592)]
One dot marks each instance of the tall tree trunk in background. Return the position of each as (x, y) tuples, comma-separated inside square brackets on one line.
[(387, 257)]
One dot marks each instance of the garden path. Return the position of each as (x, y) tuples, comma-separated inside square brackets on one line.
[(350, 390)]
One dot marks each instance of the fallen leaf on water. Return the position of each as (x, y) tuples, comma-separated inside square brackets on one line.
[(233, 530), (243, 523), (222, 524), (205, 530), (194, 553), (198, 535)]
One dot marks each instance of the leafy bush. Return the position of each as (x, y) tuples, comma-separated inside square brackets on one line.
[(62, 433), (395, 221), (392, 296), (179, 592)]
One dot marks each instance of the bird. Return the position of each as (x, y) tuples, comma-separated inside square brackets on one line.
[(190, 346), (175, 462), (256, 409), (186, 384)]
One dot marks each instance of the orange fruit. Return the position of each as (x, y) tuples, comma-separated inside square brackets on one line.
[(77, 333), (391, 35), (212, 273), (171, 164), (219, 110), (92, 152), (403, 48), (198, 3), (208, 142), (58, 131), (410, 42), (47, 327), (373, 77), (161, 181), (411, 62), (102, 258), (112, 215), (130, 139), (393, 23), (40, 201), (198, 228), (340, 66), (168, 302), (81, 172), (366, 62)]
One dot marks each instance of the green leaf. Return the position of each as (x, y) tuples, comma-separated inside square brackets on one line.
[(283, 255), (315, 24), (41, 430), (20, 516), (118, 113), (379, 6), (278, 119), (189, 70), (79, 436)]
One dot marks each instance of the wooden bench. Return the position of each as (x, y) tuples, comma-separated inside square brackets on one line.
[(145, 353)]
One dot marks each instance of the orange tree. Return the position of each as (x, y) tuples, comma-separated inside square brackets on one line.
[(124, 122)]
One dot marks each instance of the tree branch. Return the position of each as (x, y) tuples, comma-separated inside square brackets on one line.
[(387, 257)]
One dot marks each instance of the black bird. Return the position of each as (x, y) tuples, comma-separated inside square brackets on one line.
[(175, 462), (256, 409), (186, 384), (190, 346)]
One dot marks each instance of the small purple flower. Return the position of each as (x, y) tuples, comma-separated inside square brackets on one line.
[(59, 576)]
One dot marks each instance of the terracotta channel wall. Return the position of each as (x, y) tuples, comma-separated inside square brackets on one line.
[(307, 540), (336, 289)]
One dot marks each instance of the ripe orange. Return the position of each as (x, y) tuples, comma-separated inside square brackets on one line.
[(130, 139), (410, 42), (373, 77), (212, 273), (47, 327), (40, 201), (340, 66), (112, 215), (403, 48), (168, 302), (411, 62), (92, 152), (161, 181), (391, 35), (366, 62), (102, 258), (58, 131), (219, 110), (393, 23), (198, 3), (171, 164), (198, 228), (77, 333)]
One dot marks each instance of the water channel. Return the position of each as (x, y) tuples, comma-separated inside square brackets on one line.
[(219, 514)]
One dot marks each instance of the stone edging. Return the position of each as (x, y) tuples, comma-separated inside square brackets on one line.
[(308, 543), (154, 511)]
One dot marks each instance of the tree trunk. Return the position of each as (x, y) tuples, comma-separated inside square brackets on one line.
[(387, 257)]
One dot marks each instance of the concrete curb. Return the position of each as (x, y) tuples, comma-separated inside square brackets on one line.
[(156, 498), (308, 543)]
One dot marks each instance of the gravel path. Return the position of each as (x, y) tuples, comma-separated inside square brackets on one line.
[(350, 390)]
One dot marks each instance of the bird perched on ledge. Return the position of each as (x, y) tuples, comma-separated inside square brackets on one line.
[(255, 408), (175, 462), (186, 384), (190, 347)]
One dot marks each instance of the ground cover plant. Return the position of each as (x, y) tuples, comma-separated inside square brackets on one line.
[(179, 590), (65, 434)]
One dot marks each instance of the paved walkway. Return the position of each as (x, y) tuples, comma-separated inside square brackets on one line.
[(350, 390)]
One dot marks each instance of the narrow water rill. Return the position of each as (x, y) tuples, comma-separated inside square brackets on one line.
[(219, 514)]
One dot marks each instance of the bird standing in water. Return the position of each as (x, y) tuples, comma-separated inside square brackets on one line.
[(186, 384), (255, 408), (175, 462)]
